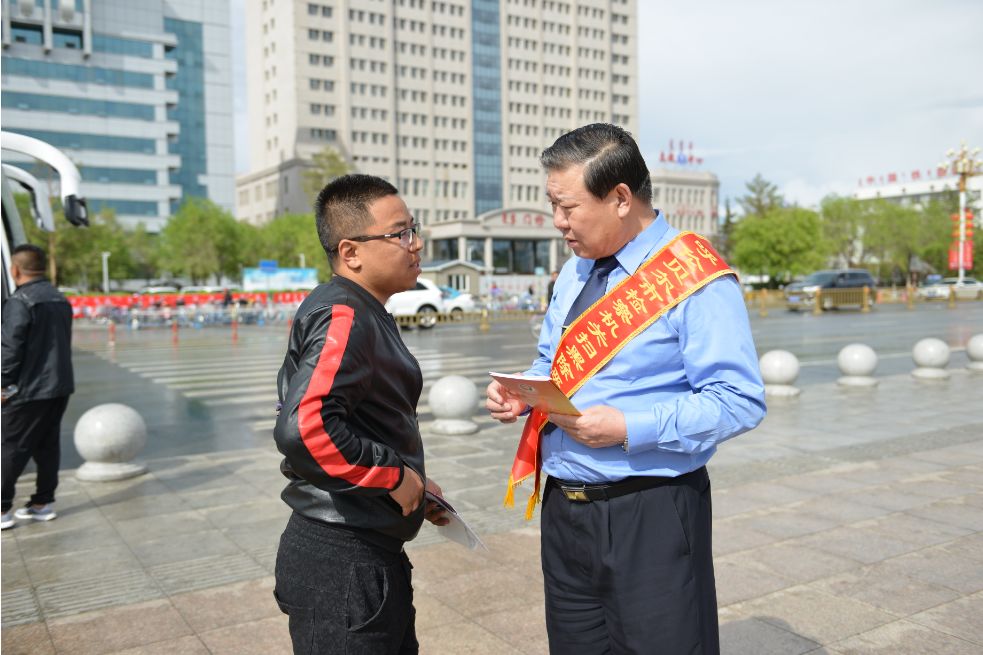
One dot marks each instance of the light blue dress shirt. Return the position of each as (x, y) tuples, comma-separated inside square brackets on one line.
[(685, 384)]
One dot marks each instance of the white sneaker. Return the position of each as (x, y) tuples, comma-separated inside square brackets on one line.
[(46, 513), (7, 520)]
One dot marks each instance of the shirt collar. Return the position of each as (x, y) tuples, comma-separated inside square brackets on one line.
[(636, 251)]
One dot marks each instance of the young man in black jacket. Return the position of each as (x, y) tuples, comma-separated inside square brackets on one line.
[(37, 381), (348, 430)]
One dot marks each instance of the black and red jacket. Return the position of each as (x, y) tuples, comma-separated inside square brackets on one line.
[(347, 427)]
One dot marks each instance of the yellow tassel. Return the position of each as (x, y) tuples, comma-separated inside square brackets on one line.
[(510, 494), (531, 507)]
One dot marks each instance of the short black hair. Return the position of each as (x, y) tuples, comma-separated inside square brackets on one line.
[(609, 155), (341, 210), (30, 259)]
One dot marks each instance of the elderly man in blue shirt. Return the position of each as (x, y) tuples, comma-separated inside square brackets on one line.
[(626, 523)]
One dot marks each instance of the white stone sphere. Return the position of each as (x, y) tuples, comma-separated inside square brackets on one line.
[(779, 367), (857, 359), (974, 348), (111, 433), (931, 353), (453, 397)]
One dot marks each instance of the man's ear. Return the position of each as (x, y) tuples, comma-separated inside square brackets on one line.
[(623, 197), (348, 255)]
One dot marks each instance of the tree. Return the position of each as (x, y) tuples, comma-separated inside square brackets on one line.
[(286, 237), (143, 248), (201, 240), (937, 233), (77, 252), (781, 243), (762, 198), (325, 166), (844, 222), (727, 231)]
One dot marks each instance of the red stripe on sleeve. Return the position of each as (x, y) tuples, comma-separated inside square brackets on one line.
[(311, 425)]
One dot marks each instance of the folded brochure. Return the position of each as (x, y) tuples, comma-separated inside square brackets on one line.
[(539, 391), (457, 530)]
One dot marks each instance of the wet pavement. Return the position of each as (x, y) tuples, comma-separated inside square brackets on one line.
[(850, 521)]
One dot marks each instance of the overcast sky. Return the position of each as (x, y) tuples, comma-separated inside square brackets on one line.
[(812, 94)]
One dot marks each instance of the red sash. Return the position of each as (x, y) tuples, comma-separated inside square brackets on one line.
[(678, 270)]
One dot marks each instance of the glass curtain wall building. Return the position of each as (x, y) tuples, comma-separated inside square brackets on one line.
[(138, 92)]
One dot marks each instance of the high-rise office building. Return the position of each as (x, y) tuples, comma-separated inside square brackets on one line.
[(137, 92), (452, 101)]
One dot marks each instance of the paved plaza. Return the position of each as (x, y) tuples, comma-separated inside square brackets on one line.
[(850, 521)]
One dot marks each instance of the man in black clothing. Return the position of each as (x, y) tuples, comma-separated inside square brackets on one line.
[(348, 430), (37, 381), (550, 286)]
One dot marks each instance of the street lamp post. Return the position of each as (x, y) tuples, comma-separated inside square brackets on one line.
[(965, 165), (105, 270)]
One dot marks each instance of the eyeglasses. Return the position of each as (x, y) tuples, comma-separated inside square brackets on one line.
[(405, 236)]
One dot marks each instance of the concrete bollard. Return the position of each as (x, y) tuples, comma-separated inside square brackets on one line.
[(108, 437), (779, 369), (931, 356), (974, 349), (453, 401), (857, 363)]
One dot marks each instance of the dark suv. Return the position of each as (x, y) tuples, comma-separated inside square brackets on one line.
[(834, 285)]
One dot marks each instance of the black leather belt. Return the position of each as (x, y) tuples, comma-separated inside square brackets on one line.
[(588, 493)]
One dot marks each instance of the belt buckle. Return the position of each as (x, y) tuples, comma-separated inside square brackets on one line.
[(576, 495)]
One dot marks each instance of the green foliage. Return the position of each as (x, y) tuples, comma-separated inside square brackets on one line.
[(202, 240), (285, 238), (325, 166), (76, 253), (762, 197), (781, 243), (726, 241), (844, 221)]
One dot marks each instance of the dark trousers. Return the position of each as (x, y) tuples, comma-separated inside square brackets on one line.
[(633, 574), (343, 594), (32, 430)]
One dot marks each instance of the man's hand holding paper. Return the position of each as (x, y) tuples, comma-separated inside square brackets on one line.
[(503, 405), (596, 427)]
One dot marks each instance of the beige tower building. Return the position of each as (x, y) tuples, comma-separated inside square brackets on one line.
[(452, 101), (688, 198)]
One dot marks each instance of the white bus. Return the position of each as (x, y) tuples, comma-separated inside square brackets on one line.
[(68, 180)]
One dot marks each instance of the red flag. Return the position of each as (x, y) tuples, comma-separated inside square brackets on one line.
[(892, 177), (916, 175)]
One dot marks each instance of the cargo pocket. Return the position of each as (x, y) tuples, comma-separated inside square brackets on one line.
[(301, 626), (369, 605)]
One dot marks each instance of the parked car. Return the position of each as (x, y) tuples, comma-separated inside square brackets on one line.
[(457, 302), (425, 300), (158, 289), (970, 289), (202, 289), (802, 295)]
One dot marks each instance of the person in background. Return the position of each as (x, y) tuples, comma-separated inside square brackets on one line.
[(550, 287), (37, 381)]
